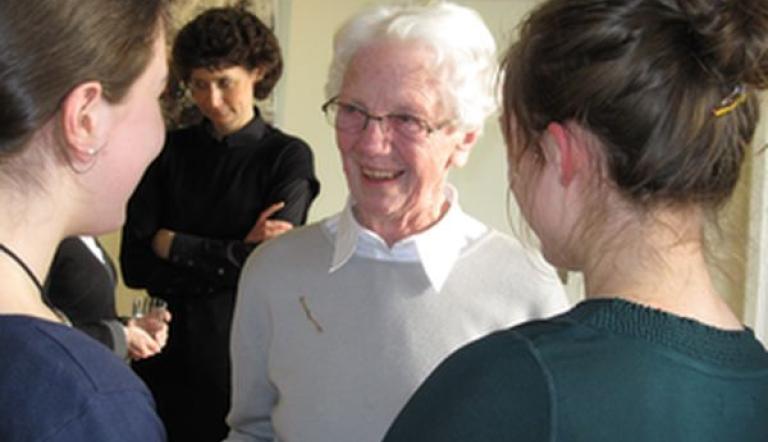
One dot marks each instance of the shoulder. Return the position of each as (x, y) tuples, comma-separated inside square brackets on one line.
[(185, 136), (498, 243), (518, 269), (75, 357), (72, 245), (180, 143), (287, 148), (305, 245), (299, 258), (518, 349), (70, 250), (57, 375), (281, 138), (474, 393)]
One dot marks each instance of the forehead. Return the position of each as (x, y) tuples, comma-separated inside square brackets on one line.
[(394, 75), (205, 74)]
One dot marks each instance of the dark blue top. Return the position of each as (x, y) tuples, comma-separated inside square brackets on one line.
[(57, 384), (608, 370)]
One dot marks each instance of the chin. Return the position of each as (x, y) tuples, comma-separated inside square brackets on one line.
[(556, 257), (562, 261), (107, 224)]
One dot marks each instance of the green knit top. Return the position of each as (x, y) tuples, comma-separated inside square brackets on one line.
[(608, 370)]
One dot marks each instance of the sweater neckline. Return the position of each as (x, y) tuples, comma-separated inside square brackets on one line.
[(737, 348)]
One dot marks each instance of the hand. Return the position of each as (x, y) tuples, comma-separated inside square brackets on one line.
[(265, 228), (161, 242), (140, 344), (155, 324)]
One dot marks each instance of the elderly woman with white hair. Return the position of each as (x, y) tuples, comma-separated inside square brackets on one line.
[(338, 323)]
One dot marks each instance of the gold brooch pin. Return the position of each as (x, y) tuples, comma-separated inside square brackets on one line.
[(308, 313)]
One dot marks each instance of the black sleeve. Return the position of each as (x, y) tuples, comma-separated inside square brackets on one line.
[(83, 288), (492, 390), (140, 266), (108, 332), (292, 181)]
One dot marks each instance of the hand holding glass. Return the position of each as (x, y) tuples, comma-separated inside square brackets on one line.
[(152, 316)]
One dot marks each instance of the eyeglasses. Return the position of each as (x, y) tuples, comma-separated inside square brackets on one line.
[(353, 119)]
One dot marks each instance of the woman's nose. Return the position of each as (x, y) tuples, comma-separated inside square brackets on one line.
[(214, 97), (376, 138)]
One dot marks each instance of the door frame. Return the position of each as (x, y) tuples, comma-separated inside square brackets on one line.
[(756, 284)]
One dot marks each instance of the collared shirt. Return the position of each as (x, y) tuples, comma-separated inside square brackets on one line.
[(437, 248)]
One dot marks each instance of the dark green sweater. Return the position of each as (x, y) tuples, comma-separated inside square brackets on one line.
[(608, 370)]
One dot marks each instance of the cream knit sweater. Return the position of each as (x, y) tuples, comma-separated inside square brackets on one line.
[(321, 357)]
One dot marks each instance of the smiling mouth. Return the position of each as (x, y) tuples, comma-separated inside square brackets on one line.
[(381, 175)]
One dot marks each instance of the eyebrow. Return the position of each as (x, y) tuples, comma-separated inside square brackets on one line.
[(400, 110)]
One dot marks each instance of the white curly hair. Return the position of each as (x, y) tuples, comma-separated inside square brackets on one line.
[(465, 52)]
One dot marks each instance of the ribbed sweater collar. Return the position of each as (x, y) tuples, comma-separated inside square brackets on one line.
[(738, 349)]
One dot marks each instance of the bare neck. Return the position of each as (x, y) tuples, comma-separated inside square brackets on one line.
[(660, 264), (395, 228), (32, 234)]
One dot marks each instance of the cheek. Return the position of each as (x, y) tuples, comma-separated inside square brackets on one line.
[(433, 160), (343, 142), (198, 98), (144, 135), (156, 138), (244, 95)]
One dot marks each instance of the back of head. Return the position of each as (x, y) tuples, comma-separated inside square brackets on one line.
[(465, 52), (47, 47), (226, 37), (667, 86)]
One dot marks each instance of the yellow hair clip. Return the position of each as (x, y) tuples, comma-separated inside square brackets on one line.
[(731, 102)]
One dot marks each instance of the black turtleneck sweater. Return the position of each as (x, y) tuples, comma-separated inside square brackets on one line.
[(211, 192)]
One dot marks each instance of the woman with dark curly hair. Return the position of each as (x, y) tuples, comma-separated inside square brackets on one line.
[(204, 204)]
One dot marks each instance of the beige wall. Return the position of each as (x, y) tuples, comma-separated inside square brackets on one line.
[(305, 28)]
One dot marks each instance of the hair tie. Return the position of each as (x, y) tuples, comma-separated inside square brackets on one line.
[(731, 102)]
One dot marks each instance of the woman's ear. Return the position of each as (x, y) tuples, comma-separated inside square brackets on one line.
[(464, 147), (257, 74), (568, 148), (84, 120)]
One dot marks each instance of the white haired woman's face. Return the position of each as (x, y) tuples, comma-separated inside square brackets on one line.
[(396, 175)]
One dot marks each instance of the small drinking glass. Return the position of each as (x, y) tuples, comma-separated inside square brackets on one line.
[(148, 306)]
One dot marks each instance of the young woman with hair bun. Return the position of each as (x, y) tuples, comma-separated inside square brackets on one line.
[(627, 123)]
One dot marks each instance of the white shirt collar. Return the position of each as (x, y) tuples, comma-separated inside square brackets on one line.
[(90, 242), (437, 248)]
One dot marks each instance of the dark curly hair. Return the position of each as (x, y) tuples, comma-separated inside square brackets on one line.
[(225, 37)]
